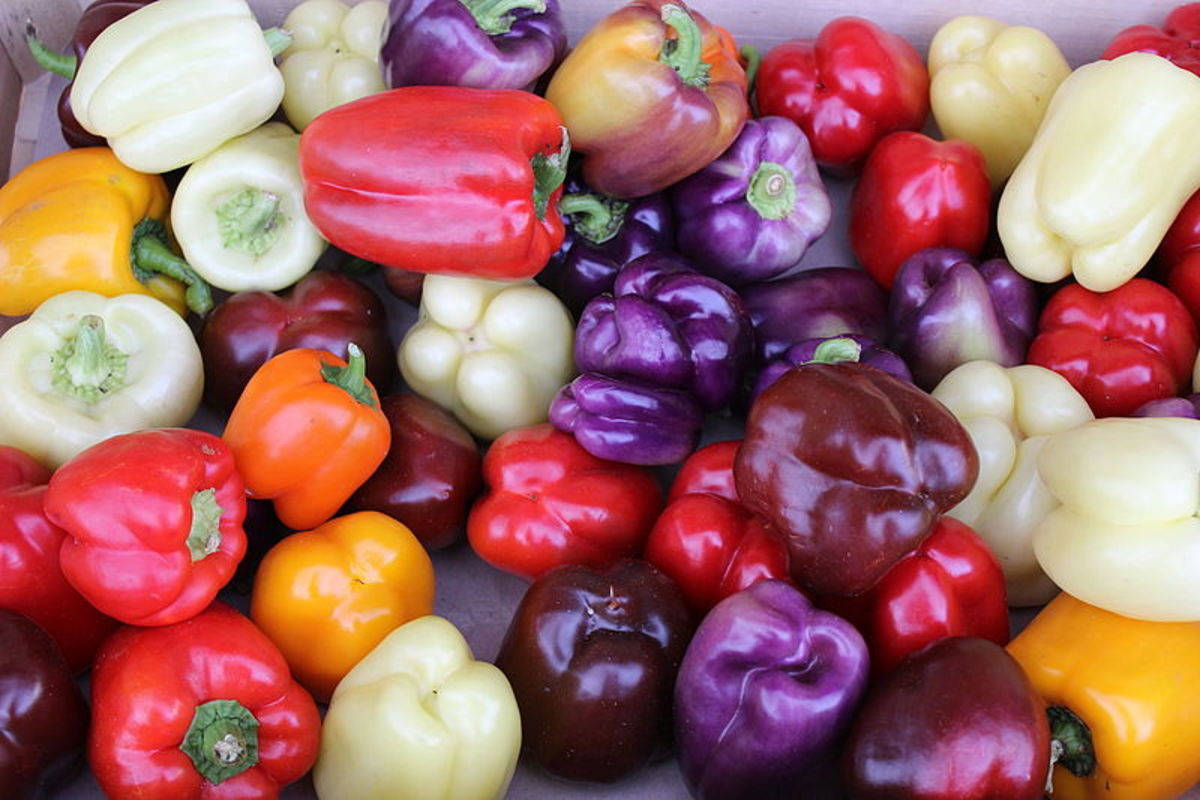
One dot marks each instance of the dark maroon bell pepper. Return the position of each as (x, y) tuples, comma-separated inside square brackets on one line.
[(592, 657), (957, 720), (853, 467), (484, 44), (43, 717), (324, 311), (765, 695), (832, 350)]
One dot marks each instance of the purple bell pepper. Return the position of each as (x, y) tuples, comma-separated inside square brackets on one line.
[(831, 350), (816, 304), (667, 325), (764, 696), (627, 421), (483, 44), (750, 215), (948, 309), (1186, 407)]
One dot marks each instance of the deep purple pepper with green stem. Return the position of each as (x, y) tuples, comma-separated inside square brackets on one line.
[(832, 350), (751, 214)]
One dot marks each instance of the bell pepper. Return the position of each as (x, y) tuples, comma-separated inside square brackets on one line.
[(1009, 414), (1122, 700), (549, 502), (1187, 407), (117, 242), (153, 522), (86, 367), (307, 432), (990, 85), (239, 213), (652, 93), (1120, 348), (1110, 168), (766, 692), (347, 585), (853, 467), (1174, 41), (448, 723), (31, 580), (751, 214), (832, 350), (173, 80), (200, 709), (848, 88), (333, 58), (1179, 255), (916, 193), (956, 720), (705, 541), (440, 179), (486, 44), (1122, 534), (948, 309), (492, 353)]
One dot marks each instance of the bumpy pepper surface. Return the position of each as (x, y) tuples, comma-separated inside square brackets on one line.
[(1174, 41)]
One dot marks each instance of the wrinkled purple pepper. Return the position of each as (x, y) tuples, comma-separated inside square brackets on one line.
[(1186, 407), (948, 309), (816, 304), (765, 694), (483, 44), (750, 215), (666, 325), (831, 350)]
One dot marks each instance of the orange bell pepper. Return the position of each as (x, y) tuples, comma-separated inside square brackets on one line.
[(307, 432), (326, 597), (1123, 700)]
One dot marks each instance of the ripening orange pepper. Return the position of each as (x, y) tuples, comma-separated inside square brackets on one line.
[(326, 597), (307, 432), (1133, 685)]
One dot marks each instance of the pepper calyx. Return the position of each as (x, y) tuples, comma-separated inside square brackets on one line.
[(150, 256), (597, 218), (549, 172), (88, 366), (495, 17), (222, 740), (351, 378), (251, 221), (772, 191)]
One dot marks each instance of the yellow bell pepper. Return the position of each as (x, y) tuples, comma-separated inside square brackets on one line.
[(1111, 166), (1132, 684), (83, 220), (991, 84)]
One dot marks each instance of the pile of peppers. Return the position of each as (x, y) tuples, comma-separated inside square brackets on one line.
[(303, 318)]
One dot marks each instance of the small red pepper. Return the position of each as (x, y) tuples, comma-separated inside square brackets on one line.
[(1179, 255), (1174, 41)]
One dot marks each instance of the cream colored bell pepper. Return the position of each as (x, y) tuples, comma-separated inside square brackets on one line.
[(492, 353), (419, 719), (85, 367), (1126, 537), (1114, 161), (1009, 414), (333, 58), (991, 84)]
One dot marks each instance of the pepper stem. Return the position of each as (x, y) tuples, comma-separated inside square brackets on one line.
[(683, 53), (772, 191), (63, 64), (753, 58), (222, 740), (549, 172), (278, 40), (1074, 741), (251, 221), (352, 377), (495, 16), (150, 255), (88, 366), (834, 351), (205, 536), (598, 218)]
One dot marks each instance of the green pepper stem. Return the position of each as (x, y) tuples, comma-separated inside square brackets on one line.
[(204, 538), (772, 191), (352, 377), (495, 16), (88, 367), (683, 53), (549, 172), (834, 351), (222, 740), (597, 218), (753, 58), (251, 221), (278, 40), (63, 64), (357, 267), (150, 256), (1074, 742)]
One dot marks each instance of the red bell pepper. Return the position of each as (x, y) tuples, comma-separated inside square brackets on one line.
[(440, 179), (1119, 349), (848, 88), (917, 193), (1179, 256), (153, 522), (951, 585), (31, 581), (1174, 41), (550, 502), (706, 541), (201, 709)]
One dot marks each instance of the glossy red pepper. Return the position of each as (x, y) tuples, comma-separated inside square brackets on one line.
[(31, 581), (951, 585), (550, 502), (848, 88), (1177, 40), (1119, 349), (1179, 256), (916, 193), (201, 709), (440, 179)]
